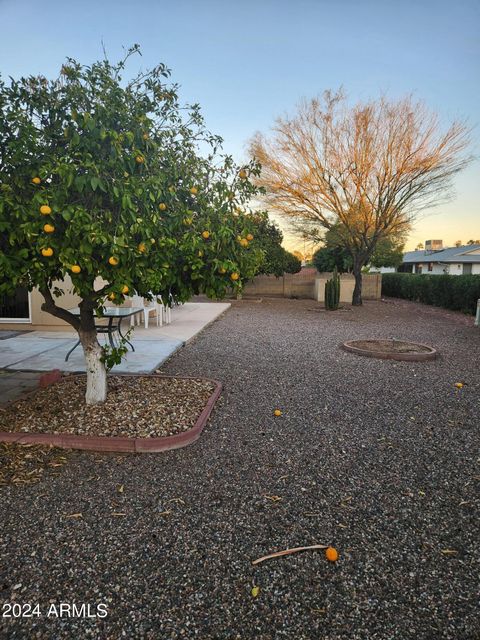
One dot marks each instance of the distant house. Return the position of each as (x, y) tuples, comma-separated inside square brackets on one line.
[(436, 260)]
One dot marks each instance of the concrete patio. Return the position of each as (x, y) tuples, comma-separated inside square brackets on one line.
[(40, 351)]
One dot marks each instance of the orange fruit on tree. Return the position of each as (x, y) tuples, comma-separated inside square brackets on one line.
[(162, 206), (139, 159), (243, 242), (152, 240), (36, 180), (145, 136), (200, 254), (48, 228), (47, 253), (331, 554), (111, 296), (75, 268), (205, 235), (45, 210), (113, 261), (141, 247), (234, 276), (242, 174), (194, 191), (125, 289), (222, 270), (187, 221), (249, 237)]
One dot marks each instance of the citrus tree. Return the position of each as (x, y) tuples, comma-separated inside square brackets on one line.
[(268, 236), (118, 186)]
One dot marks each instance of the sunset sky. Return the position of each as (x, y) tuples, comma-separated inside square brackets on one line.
[(247, 62)]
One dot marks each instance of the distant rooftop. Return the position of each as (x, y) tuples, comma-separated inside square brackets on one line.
[(466, 253)]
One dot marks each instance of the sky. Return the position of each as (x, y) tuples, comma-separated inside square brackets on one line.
[(248, 62)]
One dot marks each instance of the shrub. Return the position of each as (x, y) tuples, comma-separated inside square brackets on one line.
[(459, 293)]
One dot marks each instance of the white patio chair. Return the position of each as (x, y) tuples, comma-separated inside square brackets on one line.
[(147, 306)]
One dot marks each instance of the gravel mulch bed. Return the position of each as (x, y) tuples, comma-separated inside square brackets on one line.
[(136, 407), (377, 458)]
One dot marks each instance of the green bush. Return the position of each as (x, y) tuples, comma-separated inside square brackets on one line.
[(459, 293)]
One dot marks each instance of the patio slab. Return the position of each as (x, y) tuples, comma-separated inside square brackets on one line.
[(46, 350)]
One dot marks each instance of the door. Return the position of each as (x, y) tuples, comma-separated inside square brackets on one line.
[(467, 268), (15, 308)]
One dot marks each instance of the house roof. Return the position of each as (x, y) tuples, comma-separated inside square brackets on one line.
[(453, 254)]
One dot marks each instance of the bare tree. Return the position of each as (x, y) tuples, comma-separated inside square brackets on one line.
[(370, 169)]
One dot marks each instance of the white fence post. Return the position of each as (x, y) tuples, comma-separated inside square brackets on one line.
[(477, 317)]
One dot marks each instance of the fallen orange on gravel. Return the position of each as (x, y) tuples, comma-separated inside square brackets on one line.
[(331, 554)]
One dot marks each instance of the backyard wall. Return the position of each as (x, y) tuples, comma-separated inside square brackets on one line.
[(311, 284)]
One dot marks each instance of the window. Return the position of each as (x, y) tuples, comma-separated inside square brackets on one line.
[(15, 308)]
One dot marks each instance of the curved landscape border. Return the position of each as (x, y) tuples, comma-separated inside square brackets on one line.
[(120, 444), (419, 356)]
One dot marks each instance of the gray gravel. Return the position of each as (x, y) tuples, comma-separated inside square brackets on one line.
[(377, 458)]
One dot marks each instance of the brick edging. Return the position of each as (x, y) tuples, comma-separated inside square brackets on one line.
[(387, 355), (118, 443)]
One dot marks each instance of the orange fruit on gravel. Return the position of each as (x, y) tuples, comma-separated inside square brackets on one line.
[(331, 554), (36, 180), (45, 210), (277, 413), (162, 206), (205, 235), (48, 228), (194, 191), (113, 261), (125, 289), (459, 385), (75, 268), (234, 276), (249, 237), (47, 253)]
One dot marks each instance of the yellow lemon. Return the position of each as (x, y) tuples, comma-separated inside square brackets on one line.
[(45, 210), (46, 253), (205, 235), (48, 228), (249, 237), (234, 276), (277, 413), (36, 180), (113, 261), (194, 191), (162, 206), (125, 289), (75, 268)]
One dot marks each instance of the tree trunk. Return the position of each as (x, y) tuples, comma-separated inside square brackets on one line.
[(96, 372), (357, 291)]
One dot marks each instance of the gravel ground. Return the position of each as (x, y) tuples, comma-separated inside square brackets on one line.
[(377, 458), (136, 407)]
